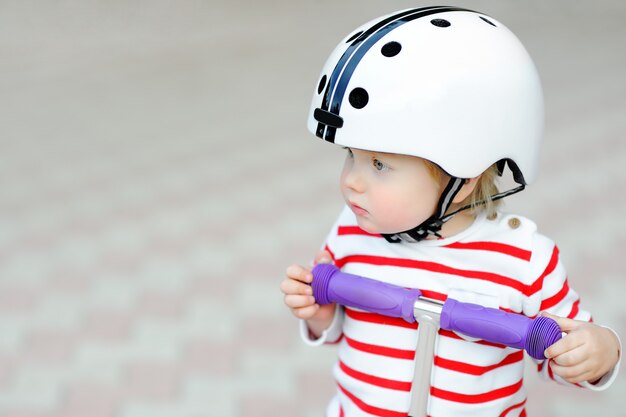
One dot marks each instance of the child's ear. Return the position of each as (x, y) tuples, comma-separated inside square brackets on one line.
[(466, 190)]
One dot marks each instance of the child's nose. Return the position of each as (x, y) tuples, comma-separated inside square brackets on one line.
[(353, 180)]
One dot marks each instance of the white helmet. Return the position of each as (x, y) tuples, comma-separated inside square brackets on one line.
[(442, 83)]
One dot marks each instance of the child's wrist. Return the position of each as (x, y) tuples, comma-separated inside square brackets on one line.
[(324, 318)]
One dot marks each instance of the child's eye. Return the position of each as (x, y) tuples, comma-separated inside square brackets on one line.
[(379, 166), (350, 154)]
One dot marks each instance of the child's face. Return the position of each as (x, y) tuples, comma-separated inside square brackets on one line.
[(388, 193)]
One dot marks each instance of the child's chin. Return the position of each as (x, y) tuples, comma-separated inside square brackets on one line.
[(372, 229), (369, 228)]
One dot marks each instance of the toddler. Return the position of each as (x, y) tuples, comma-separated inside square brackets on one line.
[(432, 105)]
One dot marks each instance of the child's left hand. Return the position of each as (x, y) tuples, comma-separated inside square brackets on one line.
[(586, 353)]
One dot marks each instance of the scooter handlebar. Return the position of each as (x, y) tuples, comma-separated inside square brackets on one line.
[(330, 285)]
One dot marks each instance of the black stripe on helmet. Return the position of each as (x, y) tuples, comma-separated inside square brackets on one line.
[(342, 73)]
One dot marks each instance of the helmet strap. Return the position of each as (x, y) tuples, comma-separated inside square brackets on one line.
[(433, 224)]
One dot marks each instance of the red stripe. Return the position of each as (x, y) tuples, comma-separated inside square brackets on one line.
[(485, 246), (513, 407), (467, 368), (477, 398), (575, 309), (381, 350), (493, 247), (550, 373), (394, 321), (554, 260), (332, 254), (433, 267), (556, 298), (336, 342), (379, 319), (444, 269), (434, 295), (374, 380), (354, 230), (369, 408), (452, 335)]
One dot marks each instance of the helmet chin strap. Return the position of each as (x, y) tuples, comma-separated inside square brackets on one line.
[(434, 223)]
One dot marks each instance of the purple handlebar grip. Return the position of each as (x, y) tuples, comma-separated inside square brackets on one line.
[(330, 285), (497, 326)]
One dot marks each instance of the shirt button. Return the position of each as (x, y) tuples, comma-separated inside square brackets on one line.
[(514, 222)]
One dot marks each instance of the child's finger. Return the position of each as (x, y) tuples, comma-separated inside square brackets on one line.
[(570, 358), (566, 344), (323, 258), (305, 313), (291, 286), (573, 374), (299, 273), (299, 301)]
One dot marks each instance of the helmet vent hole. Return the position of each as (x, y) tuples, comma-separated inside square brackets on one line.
[(358, 98), (391, 49), (321, 85), (353, 37), (441, 23), (488, 21)]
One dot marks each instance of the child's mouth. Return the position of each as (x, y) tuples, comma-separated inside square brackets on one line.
[(358, 210)]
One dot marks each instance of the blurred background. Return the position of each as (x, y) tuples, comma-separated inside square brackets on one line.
[(156, 178)]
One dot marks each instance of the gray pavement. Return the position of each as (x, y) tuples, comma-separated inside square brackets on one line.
[(156, 178)]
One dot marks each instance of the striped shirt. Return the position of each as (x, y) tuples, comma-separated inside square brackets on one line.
[(502, 263)]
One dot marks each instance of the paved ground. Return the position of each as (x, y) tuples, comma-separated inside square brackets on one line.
[(156, 178)]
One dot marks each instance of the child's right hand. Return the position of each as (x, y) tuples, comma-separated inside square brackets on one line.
[(299, 296)]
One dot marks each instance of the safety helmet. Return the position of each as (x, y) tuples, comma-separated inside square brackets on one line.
[(446, 84)]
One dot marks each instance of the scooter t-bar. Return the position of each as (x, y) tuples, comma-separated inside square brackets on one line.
[(330, 285)]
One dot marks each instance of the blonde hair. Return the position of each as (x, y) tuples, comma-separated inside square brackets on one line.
[(480, 198)]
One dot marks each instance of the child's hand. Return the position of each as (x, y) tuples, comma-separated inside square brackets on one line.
[(299, 296), (585, 353)]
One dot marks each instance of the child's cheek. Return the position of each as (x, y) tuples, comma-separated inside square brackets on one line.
[(397, 213)]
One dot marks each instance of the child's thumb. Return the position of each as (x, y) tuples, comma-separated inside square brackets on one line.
[(566, 325), (323, 258)]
